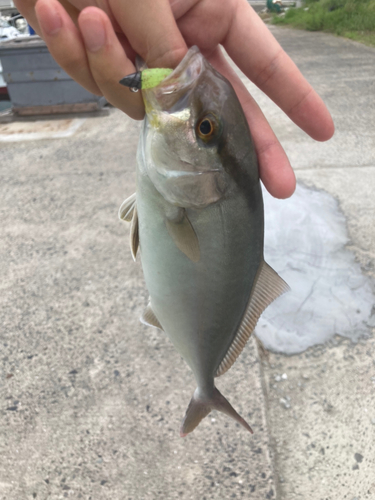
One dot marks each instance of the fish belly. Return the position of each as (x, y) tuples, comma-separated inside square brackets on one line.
[(200, 304)]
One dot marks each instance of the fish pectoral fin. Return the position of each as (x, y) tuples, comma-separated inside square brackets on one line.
[(126, 210), (185, 237), (268, 286), (134, 233), (199, 408), (149, 318)]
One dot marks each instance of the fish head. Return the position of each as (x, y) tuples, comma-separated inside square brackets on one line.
[(194, 132)]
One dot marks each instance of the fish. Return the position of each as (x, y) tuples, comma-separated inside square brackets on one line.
[(197, 220)]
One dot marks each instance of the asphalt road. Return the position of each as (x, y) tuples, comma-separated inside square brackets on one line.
[(91, 400)]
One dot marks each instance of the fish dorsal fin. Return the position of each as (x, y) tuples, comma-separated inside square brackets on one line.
[(268, 286), (126, 210), (148, 318), (184, 236), (134, 233)]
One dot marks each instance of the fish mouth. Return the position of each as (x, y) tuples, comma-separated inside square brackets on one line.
[(178, 174), (181, 81), (185, 74)]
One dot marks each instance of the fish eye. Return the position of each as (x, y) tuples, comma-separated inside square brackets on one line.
[(205, 128)]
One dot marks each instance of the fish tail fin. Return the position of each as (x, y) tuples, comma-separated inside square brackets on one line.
[(200, 407)]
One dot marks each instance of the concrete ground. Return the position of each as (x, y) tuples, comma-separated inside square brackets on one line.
[(324, 440), (91, 400)]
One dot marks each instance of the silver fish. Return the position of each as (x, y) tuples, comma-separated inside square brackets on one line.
[(197, 217)]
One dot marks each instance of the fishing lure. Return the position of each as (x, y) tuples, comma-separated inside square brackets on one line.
[(146, 79)]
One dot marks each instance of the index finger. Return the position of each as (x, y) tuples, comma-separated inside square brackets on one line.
[(257, 53)]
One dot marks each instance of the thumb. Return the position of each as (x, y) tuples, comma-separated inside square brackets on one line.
[(151, 29)]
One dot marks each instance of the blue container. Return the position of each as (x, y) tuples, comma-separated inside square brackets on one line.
[(34, 79)]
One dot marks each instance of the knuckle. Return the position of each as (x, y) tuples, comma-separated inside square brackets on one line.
[(268, 71), (71, 63)]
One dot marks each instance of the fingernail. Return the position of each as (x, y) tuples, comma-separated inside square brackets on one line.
[(49, 19), (93, 32)]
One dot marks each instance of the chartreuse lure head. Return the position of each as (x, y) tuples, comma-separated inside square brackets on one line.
[(146, 79)]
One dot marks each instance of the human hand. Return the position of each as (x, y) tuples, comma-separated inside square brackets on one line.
[(95, 41)]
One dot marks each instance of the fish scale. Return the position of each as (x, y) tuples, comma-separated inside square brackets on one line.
[(197, 217)]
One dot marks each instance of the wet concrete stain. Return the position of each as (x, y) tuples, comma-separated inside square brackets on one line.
[(305, 242)]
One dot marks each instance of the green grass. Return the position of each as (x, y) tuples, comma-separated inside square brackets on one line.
[(353, 19)]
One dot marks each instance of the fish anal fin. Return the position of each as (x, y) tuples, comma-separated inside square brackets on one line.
[(126, 210), (149, 318), (200, 407), (134, 233), (268, 286), (184, 236)]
